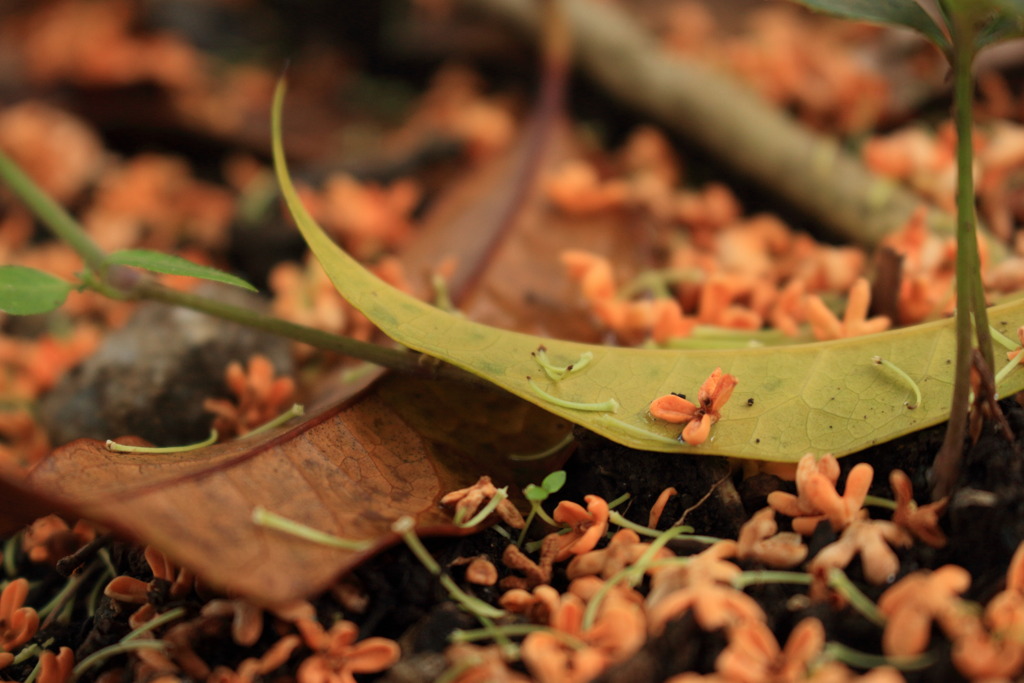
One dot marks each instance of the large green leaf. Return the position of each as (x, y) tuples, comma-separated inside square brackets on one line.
[(174, 265), (894, 12), (824, 397), (27, 291)]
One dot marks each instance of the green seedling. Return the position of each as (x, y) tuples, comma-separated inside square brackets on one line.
[(536, 495), (960, 29)]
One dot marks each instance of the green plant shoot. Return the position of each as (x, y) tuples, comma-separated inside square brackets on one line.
[(962, 28)]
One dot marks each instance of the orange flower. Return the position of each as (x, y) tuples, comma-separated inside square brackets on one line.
[(369, 217), (825, 324), (49, 538), (586, 528), (516, 559), (659, 506), (718, 305), (274, 657), (758, 540), (871, 538), (914, 601), (136, 591), (576, 188), (993, 647), (920, 520), (338, 656), (703, 586), (754, 656), (713, 394), (617, 634), (18, 624), (816, 496), (477, 664), (259, 397), (622, 550), (593, 272), (56, 668), (550, 660), (662, 318), (470, 499)]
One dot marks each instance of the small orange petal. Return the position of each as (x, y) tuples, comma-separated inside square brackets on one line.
[(672, 408), (857, 303), (372, 655), (697, 431), (568, 512)]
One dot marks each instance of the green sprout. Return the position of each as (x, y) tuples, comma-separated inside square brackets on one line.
[(536, 495), (959, 28)]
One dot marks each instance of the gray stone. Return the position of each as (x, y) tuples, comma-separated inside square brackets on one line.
[(149, 378)]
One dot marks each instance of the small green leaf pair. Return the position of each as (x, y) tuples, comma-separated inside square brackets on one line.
[(552, 483), (28, 291)]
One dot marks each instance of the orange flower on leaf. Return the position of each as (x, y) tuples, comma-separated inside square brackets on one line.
[(713, 394)]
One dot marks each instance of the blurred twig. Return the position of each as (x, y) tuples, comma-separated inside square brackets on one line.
[(809, 171)]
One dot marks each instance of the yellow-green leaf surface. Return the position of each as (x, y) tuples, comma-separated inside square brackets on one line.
[(822, 397)]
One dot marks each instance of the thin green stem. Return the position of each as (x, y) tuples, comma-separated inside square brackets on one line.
[(879, 502), (116, 447), (406, 528), (547, 452), (396, 359), (536, 508), (762, 576), (526, 526), (106, 653), (297, 410), (64, 226), (270, 520), (484, 512), (840, 582), (866, 660), (970, 296), (52, 214), (154, 623), (619, 520), (514, 631), (632, 574)]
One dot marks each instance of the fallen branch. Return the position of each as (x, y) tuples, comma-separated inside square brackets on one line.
[(809, 171)]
